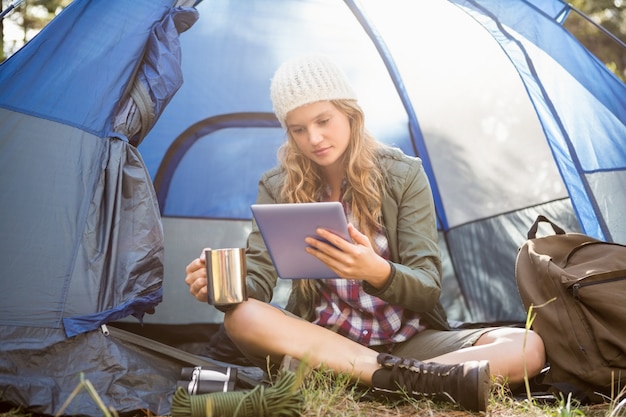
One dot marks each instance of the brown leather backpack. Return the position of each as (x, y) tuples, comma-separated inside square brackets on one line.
[(584, 327)]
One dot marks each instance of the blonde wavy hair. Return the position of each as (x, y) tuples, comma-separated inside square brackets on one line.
[(364, 178)]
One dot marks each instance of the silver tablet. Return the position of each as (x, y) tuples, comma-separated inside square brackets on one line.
[(284, 227)]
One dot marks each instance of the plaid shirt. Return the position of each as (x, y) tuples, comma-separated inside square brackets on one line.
[(345, 308)]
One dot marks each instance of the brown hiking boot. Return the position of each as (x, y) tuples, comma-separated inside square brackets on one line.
[(466, 384)]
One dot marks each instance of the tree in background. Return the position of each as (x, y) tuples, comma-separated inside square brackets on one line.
[(610, 14), (25, 21)]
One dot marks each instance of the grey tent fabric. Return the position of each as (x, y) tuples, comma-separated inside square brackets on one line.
[(83, 240), (126, 377)]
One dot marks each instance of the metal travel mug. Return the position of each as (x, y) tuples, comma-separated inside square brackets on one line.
[(226, 276)]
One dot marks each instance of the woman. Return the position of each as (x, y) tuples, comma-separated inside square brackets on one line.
[(381, 321)]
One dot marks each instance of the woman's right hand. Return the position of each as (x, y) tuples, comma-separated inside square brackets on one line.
[(196, 277)]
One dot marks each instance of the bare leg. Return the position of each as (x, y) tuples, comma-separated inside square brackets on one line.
[(503, 348), (260, 329)]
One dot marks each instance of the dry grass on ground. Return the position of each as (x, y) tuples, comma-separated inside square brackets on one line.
[(335, 396)]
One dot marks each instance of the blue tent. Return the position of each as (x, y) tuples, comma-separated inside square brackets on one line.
[(511, 114), (82, 240), (114, 173)]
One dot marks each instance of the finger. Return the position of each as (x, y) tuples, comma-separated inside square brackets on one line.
[(334, 251), (327, 259), (197, 284), (202, 295), (199, 289), (194, 265), (358, 237), (335, 240), (203, 254)]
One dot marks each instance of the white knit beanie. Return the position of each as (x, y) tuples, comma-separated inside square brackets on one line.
[(305, 80)]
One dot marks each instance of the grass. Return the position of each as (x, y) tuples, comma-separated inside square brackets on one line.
[(328, 395), (324, 393)]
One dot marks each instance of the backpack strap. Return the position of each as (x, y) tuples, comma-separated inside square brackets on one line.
[(532, 232)]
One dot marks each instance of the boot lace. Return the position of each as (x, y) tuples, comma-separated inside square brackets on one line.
[(417, 377)]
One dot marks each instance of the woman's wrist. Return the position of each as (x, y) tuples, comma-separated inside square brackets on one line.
[(381, 279)]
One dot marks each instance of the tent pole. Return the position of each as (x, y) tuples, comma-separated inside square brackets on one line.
[(416, 133)]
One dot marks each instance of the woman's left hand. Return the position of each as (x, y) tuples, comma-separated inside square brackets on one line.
[(352, 260)]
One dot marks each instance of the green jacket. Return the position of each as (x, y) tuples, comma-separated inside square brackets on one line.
[(409, 220)]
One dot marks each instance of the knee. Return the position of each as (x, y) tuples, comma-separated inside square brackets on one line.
[(533, 356), (521, 352), (535, 353), (240, 320)]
